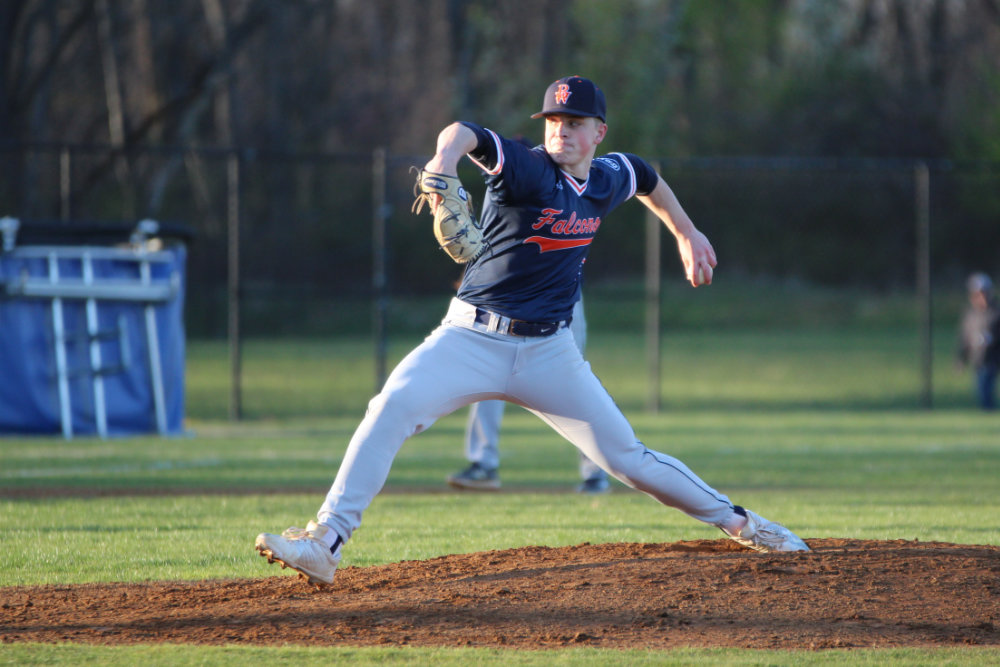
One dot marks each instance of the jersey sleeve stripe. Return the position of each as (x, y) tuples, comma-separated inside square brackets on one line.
[(500, 159), (632, 181)]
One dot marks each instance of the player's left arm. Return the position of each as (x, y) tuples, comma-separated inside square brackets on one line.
[(696, 252)]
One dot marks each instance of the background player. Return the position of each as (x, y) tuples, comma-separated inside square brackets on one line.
[(505, 334), (482, 437), (979, 338)]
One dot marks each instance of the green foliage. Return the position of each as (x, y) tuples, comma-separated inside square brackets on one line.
[(979, 127), (835, 108)]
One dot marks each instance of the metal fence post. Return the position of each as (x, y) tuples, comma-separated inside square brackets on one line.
[(65, 183), (380, 282), (233, 283), (921, 176)]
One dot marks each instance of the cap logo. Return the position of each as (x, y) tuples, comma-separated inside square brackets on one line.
[(562, 93)]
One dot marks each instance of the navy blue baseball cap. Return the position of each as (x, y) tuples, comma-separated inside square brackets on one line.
[(979, 282), (575, 96)]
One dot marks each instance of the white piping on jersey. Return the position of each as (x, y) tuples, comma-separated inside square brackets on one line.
[(632, 180), (578, 187), (499, 167)]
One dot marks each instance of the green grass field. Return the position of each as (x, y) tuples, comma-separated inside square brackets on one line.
[(819, 427)]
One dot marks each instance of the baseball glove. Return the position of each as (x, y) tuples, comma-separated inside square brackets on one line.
[(455, 225)]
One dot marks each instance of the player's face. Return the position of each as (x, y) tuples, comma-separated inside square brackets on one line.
[(979, 300), (573, 140)]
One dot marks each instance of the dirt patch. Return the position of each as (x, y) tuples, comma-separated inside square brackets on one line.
[(705, 593)]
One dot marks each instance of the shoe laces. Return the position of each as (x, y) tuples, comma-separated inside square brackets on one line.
[(295, 533), (770, 533)]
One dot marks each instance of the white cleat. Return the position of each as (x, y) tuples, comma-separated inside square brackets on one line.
[(762, 535), (303, 551)]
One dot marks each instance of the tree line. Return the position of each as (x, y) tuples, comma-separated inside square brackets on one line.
[(684, 79), (771, 77)]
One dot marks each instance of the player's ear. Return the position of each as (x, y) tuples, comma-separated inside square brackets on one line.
[(602, 129)]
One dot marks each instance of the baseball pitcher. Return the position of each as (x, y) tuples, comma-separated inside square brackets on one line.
[(506, 336)]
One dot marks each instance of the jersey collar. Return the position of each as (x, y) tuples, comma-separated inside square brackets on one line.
[(574, 184)]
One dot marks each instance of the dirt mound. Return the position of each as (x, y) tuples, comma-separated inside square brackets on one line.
[(710, 593)]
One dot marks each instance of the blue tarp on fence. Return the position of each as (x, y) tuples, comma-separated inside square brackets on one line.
[(92, 340)]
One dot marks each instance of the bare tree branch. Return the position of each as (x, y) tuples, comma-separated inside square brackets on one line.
[(192, 102), (22, 99)]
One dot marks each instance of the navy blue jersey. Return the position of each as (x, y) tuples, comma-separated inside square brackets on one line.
[(538, 222)]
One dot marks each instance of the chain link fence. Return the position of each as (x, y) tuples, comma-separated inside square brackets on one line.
[(325, 245)]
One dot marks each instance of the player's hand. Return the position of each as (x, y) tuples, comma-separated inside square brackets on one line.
[(701, 274), (698, 257)]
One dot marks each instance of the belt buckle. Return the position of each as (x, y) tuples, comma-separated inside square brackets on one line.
[(498, 324)]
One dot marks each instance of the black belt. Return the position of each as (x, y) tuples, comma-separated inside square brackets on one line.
[(506, 325)]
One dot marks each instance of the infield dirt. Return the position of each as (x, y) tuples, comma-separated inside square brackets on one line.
[(705, 593)]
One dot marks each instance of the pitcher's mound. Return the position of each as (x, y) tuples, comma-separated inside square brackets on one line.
[(706, 593)]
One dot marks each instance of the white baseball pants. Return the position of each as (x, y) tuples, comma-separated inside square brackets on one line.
[(457, 365)]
